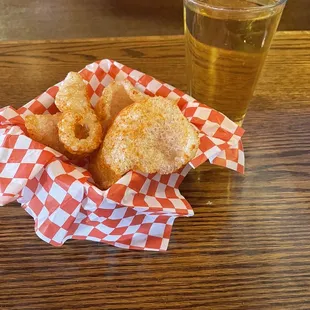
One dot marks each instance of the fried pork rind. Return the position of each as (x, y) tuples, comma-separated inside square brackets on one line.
[(72, 95), (73, 101), (102, 174), (116, 97), (151, 136), (43, 128), (68, 128)]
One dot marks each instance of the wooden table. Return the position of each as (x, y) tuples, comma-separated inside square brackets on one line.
[(248, 245)]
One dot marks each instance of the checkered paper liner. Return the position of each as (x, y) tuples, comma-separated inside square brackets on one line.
[(135, 213)]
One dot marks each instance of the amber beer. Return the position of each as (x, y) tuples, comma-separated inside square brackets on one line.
[(226, 45)]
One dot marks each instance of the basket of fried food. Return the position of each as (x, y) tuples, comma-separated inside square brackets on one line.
[(100, 156)]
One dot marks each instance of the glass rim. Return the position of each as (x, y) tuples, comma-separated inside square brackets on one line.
[(228, 9)]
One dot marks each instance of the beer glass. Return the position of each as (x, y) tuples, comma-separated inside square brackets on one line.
[(226, 46)]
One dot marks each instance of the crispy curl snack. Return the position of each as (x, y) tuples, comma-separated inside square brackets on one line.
[(149, 136), (70, 125), (102, 174), (43, 128), (73, 101), (115, 98), (72, 95)]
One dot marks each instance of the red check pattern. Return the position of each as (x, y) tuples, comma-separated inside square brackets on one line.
[(135, 213)]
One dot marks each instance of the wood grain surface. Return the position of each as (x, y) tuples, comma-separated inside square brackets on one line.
[(68, 19), (248, 245)]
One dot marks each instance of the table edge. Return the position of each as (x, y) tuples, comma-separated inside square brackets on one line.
[(130, 38)]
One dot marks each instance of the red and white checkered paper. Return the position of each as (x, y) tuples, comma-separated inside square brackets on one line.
[(135, 213)]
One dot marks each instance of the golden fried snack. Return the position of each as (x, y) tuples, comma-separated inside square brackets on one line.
[(102, 174), (43, 128), (73, 101), (115, 98), (72, 95), (150, 136), (70, 125)]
